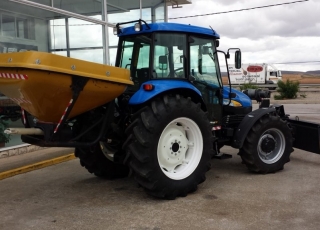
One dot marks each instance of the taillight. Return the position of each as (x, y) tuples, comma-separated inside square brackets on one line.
[(148, 87)]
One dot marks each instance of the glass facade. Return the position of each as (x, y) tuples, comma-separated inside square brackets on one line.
[(73, 28), (81, 29)]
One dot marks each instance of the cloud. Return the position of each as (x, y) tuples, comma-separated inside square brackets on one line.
[(286, 33)]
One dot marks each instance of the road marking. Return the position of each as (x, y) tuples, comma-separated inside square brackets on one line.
[(36, 166)]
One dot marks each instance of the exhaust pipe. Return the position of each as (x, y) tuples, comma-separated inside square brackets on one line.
[(24, 131)]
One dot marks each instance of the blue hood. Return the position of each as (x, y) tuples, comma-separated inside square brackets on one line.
[(241, 97)]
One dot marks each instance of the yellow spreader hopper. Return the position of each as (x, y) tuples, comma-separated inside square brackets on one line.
[(46, 84)]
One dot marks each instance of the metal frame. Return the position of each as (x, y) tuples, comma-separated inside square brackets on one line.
[(74, 142), (104, 22), (64, 12), (53, 133)]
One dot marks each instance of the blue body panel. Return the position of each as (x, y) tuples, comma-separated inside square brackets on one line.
[(169, 27), (160, 86), (241, 97)]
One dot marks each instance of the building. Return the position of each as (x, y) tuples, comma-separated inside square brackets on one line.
[(80, 29)]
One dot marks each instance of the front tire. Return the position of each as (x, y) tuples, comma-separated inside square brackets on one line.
[(170, 147), (268, 145)]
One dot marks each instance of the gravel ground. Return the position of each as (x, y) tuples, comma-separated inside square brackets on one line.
[(303, 97)]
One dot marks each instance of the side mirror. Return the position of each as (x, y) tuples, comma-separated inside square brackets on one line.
[(163, 62), (217, 43), (205, 50), (237, 59)]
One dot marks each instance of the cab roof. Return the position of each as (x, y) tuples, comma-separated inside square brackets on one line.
[(169, 27)]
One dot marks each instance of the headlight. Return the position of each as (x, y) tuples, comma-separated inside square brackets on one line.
[(232, 103)]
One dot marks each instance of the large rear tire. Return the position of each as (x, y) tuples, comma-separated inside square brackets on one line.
[(96, 162), (268, 145), (169, 147)]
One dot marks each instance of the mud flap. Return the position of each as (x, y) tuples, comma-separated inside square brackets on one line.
[(306, 135)]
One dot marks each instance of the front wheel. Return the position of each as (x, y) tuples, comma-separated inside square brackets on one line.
[(268, 145), (170, 147)]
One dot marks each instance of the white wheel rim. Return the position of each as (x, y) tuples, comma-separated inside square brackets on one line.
[(107, 151), (180, 148)]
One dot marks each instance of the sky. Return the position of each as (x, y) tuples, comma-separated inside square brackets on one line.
[(287, 33)]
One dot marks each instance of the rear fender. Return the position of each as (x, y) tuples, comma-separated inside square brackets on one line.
[(248, 121), (159, 87)]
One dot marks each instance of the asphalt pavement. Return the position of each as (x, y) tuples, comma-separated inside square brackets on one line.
[(66, 196)]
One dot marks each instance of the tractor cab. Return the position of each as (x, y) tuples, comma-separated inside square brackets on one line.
[(171, 51)]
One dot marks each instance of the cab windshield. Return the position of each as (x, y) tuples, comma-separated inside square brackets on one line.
[(204, 65)]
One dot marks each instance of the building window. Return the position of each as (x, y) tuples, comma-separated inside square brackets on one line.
[(22, 28), (19, 27), (7, 26)]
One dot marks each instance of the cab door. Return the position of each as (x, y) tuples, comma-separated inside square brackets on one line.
[(205, 74)]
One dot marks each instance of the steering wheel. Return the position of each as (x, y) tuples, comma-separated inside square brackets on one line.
[(175, 72)]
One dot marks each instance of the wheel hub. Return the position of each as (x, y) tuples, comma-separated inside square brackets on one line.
[(268, 143), (175, 145), (271, 146)]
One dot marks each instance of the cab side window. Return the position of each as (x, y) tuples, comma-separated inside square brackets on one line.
[(170, 55)]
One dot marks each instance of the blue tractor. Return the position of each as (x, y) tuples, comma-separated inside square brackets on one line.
[(166, 128), (181, 114)]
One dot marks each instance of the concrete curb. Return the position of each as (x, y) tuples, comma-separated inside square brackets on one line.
[(292, 101), (18, 150), (36, 166)]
